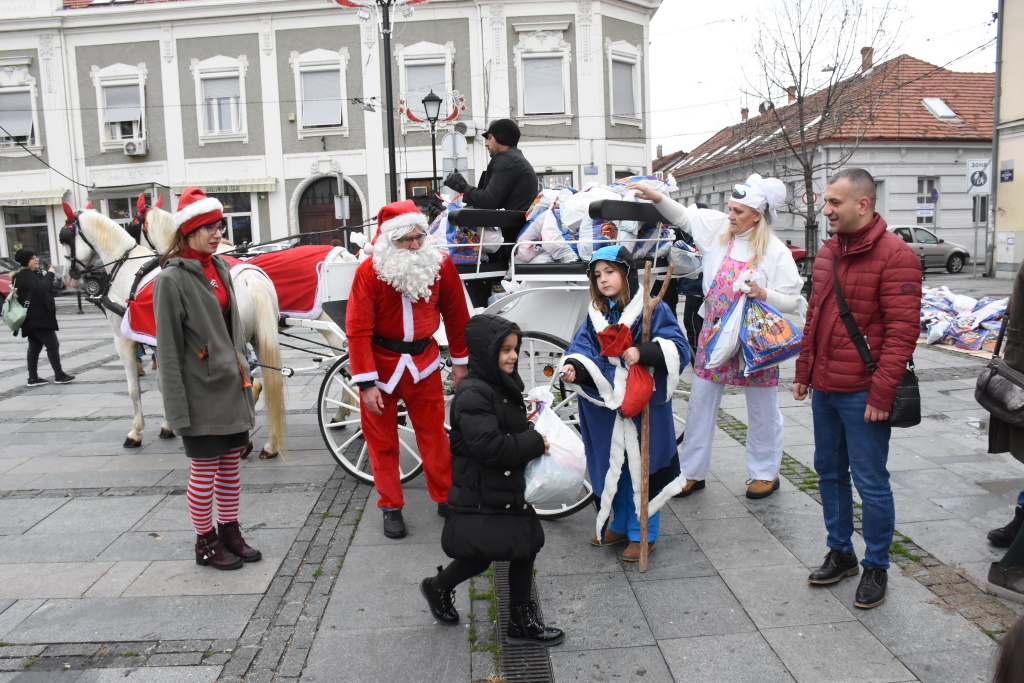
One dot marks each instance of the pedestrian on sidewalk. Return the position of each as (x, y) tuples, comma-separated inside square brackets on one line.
[(733, 245), (1006, 577), (604, 353), (204, 377), (35, 292), (488, 517), (880, 279), (397, 301), (1004, 437)]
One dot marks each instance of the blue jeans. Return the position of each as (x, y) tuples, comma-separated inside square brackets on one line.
[(843, 444), (625, 519)]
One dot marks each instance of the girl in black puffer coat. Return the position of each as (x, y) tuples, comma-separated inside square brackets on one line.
[(488, 516)]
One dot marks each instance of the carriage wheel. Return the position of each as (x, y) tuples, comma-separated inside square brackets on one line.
[(343, 434), (539, 358)]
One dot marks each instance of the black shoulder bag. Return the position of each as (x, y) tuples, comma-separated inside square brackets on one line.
[(906, 405), (1000, 388)]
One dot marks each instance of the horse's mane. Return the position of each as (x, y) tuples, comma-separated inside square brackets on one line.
[(109, 238)]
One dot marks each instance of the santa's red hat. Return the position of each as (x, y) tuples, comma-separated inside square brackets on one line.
[(399, 218), (196, 209)]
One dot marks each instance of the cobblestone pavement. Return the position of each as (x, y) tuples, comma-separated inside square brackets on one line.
[(97, 582)]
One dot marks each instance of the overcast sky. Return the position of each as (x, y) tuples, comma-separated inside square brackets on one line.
[(698, 49)]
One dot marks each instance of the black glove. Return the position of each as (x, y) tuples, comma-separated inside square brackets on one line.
[(456, 182)]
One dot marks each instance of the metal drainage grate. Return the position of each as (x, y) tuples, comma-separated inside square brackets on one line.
[(519, 663)]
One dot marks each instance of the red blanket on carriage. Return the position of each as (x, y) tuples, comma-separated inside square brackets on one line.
[(295, 273), (139, 322)]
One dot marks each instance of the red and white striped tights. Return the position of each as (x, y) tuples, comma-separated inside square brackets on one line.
[(212, 478)]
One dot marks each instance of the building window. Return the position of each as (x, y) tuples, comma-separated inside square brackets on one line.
[(238, 215), (18, 114), (25, 227), (624, 95), (220, 99), (321, 91), (925, 204), (547, 180), (423, 67), (120, 97), (542, 59)]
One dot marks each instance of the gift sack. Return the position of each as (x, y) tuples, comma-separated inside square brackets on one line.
[(557, 477), (766, 337), (724, 341), (639, 389)]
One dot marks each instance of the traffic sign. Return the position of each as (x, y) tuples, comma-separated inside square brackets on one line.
[(814, 198), (935, 196), (454, 144), (979, 180), (452, 164)]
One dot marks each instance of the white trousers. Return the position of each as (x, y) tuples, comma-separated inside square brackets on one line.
[(764, 430)]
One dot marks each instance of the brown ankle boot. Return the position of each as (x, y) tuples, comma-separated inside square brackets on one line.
[(231, 537), (211, 552)]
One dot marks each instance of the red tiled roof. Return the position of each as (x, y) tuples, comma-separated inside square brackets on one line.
[(668, 161), (80, 4), (896, 88)]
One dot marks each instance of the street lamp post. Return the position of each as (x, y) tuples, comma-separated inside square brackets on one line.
[(432, 107)]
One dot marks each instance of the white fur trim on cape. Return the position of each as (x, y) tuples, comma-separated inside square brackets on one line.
[(403, 223), (207, 205), (333, 255), (625, 449), (671, 353), (611, 393), (634, 309)]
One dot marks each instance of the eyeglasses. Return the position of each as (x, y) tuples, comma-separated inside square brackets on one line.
[(219, 226), (410, 240)]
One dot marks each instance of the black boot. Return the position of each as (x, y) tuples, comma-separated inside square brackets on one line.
[(837, 566), (440, 601), (231, 536), (394, 525), (524, 627), (1003, 536), (871, 591), (211, 552)]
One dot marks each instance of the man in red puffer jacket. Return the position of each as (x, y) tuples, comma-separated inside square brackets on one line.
[(880, 278)]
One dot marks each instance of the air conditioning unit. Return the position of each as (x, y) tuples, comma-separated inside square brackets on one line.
[(467, 128), (135, 148)]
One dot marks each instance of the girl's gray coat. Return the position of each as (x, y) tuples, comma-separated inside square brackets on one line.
[(200, 365)]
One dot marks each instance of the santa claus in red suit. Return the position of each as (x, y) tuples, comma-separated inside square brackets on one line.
[(398, 298)]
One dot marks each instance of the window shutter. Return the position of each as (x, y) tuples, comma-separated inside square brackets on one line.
[(321, 98), (420, 79), (217, 88), (16, 113), (122, 103), (622, 89), (543, 90)]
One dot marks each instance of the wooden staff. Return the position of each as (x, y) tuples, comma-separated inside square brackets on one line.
[(645, 414)]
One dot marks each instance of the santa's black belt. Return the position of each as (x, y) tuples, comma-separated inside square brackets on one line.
[(413, 348)]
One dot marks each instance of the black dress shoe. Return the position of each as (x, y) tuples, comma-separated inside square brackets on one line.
[(394, 525), (440, 601), (871, 591), (1003, 536), (837, 566), (442, 509), (1006, 582)]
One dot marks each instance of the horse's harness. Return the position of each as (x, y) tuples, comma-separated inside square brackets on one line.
[(71, 231)]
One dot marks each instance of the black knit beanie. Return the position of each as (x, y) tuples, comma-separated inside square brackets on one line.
[(505, 131), (23, 256)]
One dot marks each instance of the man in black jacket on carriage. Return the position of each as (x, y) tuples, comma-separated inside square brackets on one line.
[(509, 183)]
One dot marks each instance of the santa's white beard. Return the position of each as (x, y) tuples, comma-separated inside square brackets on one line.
[(410, 271)]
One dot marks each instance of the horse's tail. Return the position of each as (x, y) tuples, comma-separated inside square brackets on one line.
[(268, 347)]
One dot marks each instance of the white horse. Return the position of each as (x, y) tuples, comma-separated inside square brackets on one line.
[(89, 234), (158, 227)]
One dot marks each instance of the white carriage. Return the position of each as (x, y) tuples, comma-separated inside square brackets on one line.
[(549, 304)]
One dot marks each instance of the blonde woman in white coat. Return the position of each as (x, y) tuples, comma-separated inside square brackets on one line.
[(733, 245)]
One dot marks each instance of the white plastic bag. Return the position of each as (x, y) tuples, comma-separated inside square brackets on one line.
[(724, 341), (556, 477)]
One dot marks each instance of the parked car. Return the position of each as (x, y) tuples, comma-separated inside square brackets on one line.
[(257, 249), (8, 264), (94, 281), (800, 256), (5, 285), (933, 251)]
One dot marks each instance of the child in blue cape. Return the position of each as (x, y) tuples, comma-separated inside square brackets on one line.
[(614, 375)]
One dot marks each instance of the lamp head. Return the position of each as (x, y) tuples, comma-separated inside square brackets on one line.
[(432, 107)]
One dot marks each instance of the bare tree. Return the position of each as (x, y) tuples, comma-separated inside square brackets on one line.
[(819, 56)]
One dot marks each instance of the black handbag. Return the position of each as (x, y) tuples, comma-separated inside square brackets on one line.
[(1000, 388), (906, 404)]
